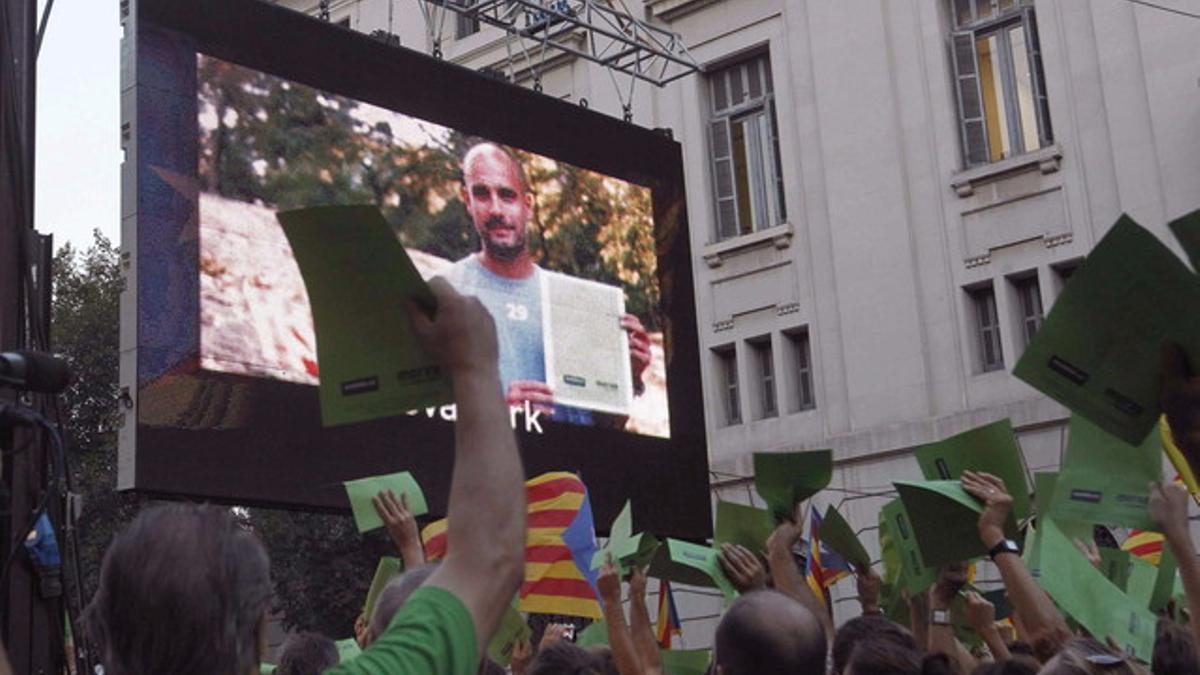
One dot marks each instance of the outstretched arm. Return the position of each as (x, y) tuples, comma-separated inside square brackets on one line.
[(639, 625), (1169, 509), (1047, 629), (625, 654), (484, 561), (401, 527), (787, 576)]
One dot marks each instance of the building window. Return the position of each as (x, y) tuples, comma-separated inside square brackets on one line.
[(1002, 104), (727, 374), (744, 146), (465, 24), (987, 326), (764, 364), (801, 366), (1029, 295)]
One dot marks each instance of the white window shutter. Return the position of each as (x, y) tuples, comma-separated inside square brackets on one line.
[(970, 102), (1041, 101), (722, 167)]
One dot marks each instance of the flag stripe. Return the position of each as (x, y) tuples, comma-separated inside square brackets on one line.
[(553, 489), (589, 608), (551, 518), (558, 569), (576, 588)]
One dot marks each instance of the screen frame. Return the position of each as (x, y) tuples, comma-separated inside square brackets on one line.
[(667, 479)]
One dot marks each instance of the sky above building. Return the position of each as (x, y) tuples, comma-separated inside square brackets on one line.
[(78, 152)]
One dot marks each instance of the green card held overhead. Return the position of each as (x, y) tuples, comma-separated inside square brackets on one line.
[(627, 549), (1187, 230), (1083, 593), (1116, 566), (663, 566), (358, 277), (388, 567), (1043, 491), (745, 525), (915, 574), (785, 478), (266, 669), (1103, 479), (512, 629), (685, 661), (837, 534), (703, 559), (991, 448), (944, 520), (1152, 586), (1099, 351), (361, 491)]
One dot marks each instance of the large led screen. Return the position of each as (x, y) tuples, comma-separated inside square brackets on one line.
[(567, 224), (562, 257)]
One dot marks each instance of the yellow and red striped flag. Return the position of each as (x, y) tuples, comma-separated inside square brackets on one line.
[(559, 544)]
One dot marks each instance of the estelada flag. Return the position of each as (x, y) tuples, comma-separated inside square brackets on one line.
[(559, 544)]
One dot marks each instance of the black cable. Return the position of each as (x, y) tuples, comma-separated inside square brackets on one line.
[(37, 49)]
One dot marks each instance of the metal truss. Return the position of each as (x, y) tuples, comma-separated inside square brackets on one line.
[(590, 29)]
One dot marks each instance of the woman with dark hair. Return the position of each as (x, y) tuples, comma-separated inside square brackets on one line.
[(886, 657), (184, 589)]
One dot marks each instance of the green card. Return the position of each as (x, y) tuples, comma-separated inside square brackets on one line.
[(888, 554), (837, 534), (387, 568), (916, 575), (1152, 586), (704, 559), (512, 629), (1116, 566), (685, 661), (361, 492), (1043, 491), (1187, 230), (266, 668), (358, 277), (1103, 479), (662, 566), (626, 548), (945, 520), (1099, 350), (991, 448), (745, 525), (785, 478), (347, 649), (1000, 602), (1082, 592), (596, 633)]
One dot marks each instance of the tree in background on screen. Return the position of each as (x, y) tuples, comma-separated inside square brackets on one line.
[(286, 145)]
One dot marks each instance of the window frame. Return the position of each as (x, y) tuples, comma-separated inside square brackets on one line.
[(986, 330), (728, 386), (766, 377), (999, 23), (767, 205), (801, 370), (1028, 289)]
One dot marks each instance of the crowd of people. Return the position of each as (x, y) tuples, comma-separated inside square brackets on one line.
[(186, 590)]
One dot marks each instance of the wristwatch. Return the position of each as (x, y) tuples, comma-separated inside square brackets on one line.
[(939, 617), (1005, 546)]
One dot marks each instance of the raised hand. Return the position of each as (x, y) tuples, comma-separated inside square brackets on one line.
[(522, 654), (742, 567), (608, 582), (997, 504), (1089, 551), (869, 586), (401, 526), (639, 348), (981, 614), (461, 334), (1169, 507), (539, 395)]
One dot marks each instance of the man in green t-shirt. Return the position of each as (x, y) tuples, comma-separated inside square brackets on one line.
[(445, 625)]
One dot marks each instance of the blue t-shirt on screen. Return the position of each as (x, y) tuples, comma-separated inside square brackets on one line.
[(516, 307)]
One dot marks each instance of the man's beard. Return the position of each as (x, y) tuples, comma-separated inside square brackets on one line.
[(499, 251)]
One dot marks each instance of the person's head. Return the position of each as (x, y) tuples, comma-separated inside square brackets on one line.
[(1089, 657), (183, 589), (886, 657), (604, 658), (496, 195), (306, 654), (393, 595), (768, 632), (1017, 665), (565, 658), (1174, 650), (869, 627)]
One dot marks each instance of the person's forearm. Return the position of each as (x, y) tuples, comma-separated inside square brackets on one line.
[(789, 582), (411, 553), (643, 636), (941, 639), (995, 643), (625, 654), (486, 517), (1184, 550), (1038, 613)]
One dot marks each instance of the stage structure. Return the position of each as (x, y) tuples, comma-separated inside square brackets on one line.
[(234, 110)]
